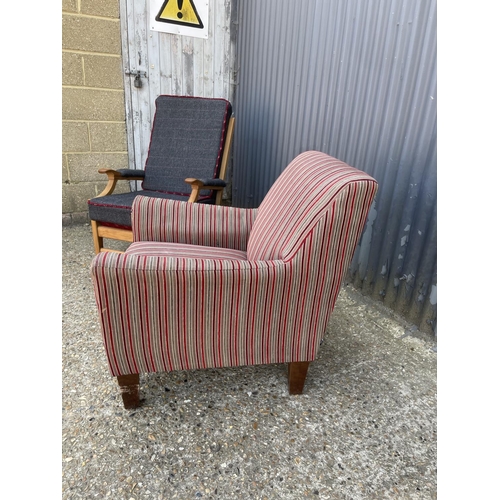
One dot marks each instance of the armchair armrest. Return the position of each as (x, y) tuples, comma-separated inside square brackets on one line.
[(173, 221), (129, 173), (115, 175), (198, 326), (198, 184)]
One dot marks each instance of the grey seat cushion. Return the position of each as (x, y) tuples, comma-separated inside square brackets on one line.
[(116, 209)]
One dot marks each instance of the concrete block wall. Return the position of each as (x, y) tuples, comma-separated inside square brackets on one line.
[(93, 102)]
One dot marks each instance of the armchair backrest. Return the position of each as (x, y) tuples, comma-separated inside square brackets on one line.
[(307, 191), (187, 140)]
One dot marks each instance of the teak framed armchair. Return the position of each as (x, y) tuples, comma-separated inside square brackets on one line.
[(206, 286), (187, 160)]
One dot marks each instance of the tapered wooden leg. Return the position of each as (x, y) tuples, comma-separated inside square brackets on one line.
[(129, 388), (297, 376), (98, 242)]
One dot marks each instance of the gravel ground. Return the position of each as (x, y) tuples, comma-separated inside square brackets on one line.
[(364, 428)]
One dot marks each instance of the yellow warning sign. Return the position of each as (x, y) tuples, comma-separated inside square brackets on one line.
[(181, 12)]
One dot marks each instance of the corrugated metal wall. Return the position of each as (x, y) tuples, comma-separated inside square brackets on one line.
[(357, 80)]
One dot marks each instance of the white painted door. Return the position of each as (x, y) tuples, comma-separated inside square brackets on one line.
[(172, 64)]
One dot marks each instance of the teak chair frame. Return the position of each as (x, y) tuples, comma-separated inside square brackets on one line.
[(100, 231)]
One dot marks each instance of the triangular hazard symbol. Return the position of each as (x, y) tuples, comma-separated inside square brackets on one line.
[(181, 12)]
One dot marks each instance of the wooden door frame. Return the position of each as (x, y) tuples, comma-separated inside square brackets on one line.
[(127, 84)]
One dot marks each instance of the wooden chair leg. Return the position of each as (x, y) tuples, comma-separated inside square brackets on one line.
[(98, 241), (129, 388), (297, 373)]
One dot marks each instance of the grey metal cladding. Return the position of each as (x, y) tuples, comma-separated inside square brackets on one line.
[(357, 80)]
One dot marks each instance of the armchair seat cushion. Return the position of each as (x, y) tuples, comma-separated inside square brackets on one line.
[(115, 209), (183, 250)]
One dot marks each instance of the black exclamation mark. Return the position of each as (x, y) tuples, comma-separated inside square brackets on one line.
[(179, 4)]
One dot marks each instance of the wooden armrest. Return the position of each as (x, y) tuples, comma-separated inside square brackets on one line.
[(113, 177), (198, 184)]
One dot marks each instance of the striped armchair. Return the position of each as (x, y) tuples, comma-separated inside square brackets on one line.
[(205, 286)]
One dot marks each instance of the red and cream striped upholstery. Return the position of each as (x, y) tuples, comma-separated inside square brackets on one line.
[(184, 251), (211, 286), (210, 225)]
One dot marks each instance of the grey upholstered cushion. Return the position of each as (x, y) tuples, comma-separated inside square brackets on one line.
[(186, 141)]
